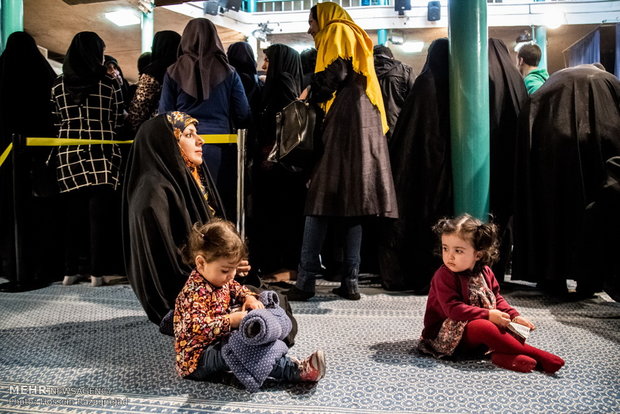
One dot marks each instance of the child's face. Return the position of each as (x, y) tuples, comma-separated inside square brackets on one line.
[(458, 255), (218, 272)]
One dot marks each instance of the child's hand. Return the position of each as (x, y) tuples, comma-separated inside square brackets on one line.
[(522, 321), (252, 303), (499, 318), (236, 318), (243, 268)]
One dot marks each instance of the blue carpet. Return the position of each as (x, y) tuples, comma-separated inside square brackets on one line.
[(70, 349)]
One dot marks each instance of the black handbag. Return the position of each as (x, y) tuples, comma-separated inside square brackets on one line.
[(295, 148), (43, 175)]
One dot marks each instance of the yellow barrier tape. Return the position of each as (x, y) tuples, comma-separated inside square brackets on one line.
[(219, 138), (5, 154), (55, 142)]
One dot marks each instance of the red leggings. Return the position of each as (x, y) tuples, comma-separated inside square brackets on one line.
[(508, 352)]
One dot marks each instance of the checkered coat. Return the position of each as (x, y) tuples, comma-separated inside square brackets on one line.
[(98, 117)]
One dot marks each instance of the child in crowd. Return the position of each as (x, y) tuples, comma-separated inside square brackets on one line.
[(212, 305), (465, 311)]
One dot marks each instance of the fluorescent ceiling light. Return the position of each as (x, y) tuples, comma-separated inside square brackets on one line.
[(412, 47), (123, 18)]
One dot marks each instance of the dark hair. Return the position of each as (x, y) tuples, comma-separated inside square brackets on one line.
[(531, 54), (382, 50), (215, 240), (143, 61), (483, 236), (314, 14)]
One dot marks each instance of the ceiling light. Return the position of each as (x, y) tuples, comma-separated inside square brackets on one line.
[(554, 19), (412, 46), (123, 18)]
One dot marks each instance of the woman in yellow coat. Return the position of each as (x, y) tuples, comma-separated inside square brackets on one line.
[(352, 178)]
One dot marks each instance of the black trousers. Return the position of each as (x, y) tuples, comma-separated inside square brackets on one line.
[(90, 228)]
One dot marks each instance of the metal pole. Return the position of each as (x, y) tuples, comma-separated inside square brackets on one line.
[(241, 153), (11, 18), (146, 31), (469, 106), (382, 36), (20, 277), (540, 35)]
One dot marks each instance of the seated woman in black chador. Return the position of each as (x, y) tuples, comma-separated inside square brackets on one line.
[(166, 190)]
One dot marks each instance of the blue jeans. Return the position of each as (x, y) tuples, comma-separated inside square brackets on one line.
[(212, 362), (314, 236)]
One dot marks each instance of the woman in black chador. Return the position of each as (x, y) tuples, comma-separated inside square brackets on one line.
[(567, 133), (241, 57), (165, 192), (25, 83), (507, 97), (167, 189), (278, 194), (420, 158), (421, 163)]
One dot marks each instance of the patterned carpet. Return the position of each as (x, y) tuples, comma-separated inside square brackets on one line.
[(91, 350)]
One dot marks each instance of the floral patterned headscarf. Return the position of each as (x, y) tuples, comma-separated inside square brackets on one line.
[(180, 121)]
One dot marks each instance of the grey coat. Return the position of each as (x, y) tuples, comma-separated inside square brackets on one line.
[(353, 177)]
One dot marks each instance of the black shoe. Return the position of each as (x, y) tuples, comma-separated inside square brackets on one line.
[(298, 295), (340, 291)]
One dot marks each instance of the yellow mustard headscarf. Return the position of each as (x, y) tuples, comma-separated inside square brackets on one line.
[(339, 36)]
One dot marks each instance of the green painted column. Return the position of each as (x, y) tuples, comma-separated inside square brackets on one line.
[(382, 36), (11, 18), (251, 6), (469, 105), (146, 31), (540, 36)]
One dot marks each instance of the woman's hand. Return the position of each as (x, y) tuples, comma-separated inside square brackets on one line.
[(499, 318), (243, 268), (252, 303), (236, 318), (304, 94), (523, 321)]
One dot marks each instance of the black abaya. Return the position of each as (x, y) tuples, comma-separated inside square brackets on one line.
[(420, 159), (161, 202), (25, 84), (276, 224), (569, 130)]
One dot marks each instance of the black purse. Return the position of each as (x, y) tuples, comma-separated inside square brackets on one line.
[(43, 175), (295, 147)]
